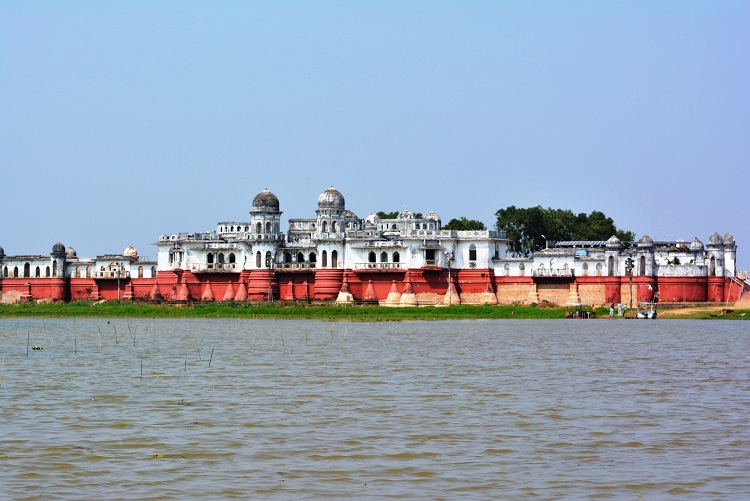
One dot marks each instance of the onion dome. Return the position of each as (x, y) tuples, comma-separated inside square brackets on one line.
[(645, 241), (331, 199), (614, 243), (372, 218), (265, 201), (697, 245), (715, 240), (70, 253), (58, 248), (728, 240), (404, 214), (2, 252), (130, 251), (432, 216)]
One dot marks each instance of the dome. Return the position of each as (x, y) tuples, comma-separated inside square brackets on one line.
[(697, 245), (728, 240), (715, 239), (645, 241), (70, 253), (331, 199), (614, 242), (372, 218), (265, 201), (404, 214), (130, 251), (2, 252), (58, 248), (351, 215), (432, 216)]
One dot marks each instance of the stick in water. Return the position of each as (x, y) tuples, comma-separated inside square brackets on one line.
[(212, 356), (28, 339)]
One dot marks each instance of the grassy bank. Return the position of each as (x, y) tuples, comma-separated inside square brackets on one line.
[(363, 313)]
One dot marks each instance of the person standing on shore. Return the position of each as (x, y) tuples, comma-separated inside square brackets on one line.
[(619, 309), (612, 310)]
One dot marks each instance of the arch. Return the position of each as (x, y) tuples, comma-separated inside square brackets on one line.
[(611, 266), (393, 226), (232, 258), (300, 257), (506, 270), (26, 270), (258, 259), (324, 227), (220, 259), (599, 269), (642, 266), (77, 273), (312, 258), (712, 267), (324, 259), (210, 258), (153, 271), (396, 257), (585, 269), (258, 228), (15, 272), (47, 272), (287, 257), (37, 272), (522, 269), (334, 259), (383, 257), (334, 227), (5, 271), (268, 227), (54, 268), (269, 259), (472, 252), (140, 272), (88, 271), (371, 258)]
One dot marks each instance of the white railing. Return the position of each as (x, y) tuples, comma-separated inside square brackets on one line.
[(378, 266), (111, 274), (559, 272), (296, 266), (213, 267)]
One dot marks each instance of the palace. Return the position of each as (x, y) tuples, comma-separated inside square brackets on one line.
[(407, 261)]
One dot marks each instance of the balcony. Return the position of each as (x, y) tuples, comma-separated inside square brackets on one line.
[(111, 274), (295, 266), (213, 267), (379, 266), (559, 272)]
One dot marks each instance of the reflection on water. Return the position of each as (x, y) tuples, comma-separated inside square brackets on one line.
[(415, 410)]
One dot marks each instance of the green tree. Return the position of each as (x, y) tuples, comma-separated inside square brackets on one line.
[(463, 224), (394, 215), (529, 229)]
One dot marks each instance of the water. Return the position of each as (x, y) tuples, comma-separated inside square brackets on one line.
[(179, 409)]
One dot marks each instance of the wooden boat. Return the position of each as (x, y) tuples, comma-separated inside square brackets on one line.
[(646, 309)]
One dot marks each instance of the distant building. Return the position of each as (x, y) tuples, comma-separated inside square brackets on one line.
[(336, 256)]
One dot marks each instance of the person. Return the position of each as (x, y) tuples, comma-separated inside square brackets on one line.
[(619, 309), (625, 310), (612, 310)]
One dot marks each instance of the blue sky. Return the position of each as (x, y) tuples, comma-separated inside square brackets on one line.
[(120, 121)]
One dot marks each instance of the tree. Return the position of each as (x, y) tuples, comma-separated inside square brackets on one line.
[(464, 224), (529, 229), (394, 215)]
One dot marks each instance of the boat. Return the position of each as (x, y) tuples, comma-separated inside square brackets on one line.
[(646, 309)]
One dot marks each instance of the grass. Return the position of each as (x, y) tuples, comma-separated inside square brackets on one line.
[(364, 313)]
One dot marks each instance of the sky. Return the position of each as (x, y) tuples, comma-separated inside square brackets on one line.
[(122, 121)]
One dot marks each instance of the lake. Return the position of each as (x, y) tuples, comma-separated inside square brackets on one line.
[(263, 409)]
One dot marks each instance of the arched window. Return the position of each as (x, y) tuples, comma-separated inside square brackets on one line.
[(585, 269), (712, 267), (269, 259), (258, 228), (383, 257), (393, 226), (324, 227), (324, 259), (334, 227), (334, 259), (15, 272), (472, 252), (153, 271), (643, 266), (54, 268), (258, 258), (300, 257), (140, 272), (88, 272), (38, 272), (522, 269), (78, 272), (287, 257), (221, 257), (5, 271), (506, 270), (396, 257), (232, 258), (371, 258), (268, 227), (598, 269), (210, 258), (611, 266), (26, 270)]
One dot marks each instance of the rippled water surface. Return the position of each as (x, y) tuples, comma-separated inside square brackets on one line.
[(175, 409)]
